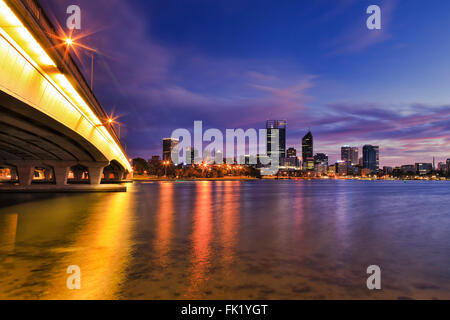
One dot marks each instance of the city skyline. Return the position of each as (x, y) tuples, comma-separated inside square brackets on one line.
[(306, 150), (309, 165)]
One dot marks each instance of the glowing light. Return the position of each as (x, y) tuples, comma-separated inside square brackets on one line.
[(9, 15), (69, 41), (45, 60)]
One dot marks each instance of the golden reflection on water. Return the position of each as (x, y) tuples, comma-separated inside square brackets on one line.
[(201, 239), (103, 254), (164, 225), (95, 237), (230, 222), (8, 230)]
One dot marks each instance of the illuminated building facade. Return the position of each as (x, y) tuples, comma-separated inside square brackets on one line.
[(371, 158), (308, 151)]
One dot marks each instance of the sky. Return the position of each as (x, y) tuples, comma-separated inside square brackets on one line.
[(162, 64)]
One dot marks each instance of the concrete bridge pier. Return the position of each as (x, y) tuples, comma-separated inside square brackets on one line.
[(95, 172), (61, 172), (56, 177), (25, 172)]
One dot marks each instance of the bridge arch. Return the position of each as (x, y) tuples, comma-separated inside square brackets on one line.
[(114, 172)]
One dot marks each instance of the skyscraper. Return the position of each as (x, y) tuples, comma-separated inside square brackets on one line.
[(308, 151), (307, 146), (273, 127), (350, 155), (168, 145), (371, 157)]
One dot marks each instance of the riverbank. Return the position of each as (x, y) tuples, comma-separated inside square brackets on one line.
[(246, 178), (155, 178)]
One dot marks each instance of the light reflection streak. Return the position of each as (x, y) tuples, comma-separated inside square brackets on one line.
[(103, 249), (201, 239), (164, 223), (230, 221), (8, 231), (299, 212)]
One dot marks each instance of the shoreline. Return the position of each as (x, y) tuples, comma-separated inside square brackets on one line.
[(238, 178), (138, 179)]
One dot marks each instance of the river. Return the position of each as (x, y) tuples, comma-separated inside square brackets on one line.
[(230, 240)]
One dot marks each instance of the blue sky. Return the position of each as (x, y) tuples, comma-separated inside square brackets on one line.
[(236, 64)]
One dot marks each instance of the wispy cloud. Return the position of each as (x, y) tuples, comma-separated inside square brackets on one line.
[(404, 134)]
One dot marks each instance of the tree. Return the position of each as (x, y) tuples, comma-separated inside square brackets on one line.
[(155, 167), (140, 166)]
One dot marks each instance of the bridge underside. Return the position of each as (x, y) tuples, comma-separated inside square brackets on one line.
[(38, 153)]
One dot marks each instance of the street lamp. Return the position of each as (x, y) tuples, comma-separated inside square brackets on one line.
[(70, 43), (165, 164), (111, 122)]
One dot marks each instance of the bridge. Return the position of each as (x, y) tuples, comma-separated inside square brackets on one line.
[(54, 134)]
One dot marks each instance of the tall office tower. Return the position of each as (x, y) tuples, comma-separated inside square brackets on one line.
[(307, 146), (350, 154), (273, 127), (371, 157), (308, 151), (168, 145), (345, 153)]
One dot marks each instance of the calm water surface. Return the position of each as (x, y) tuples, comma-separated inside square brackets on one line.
[(230, 239)]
